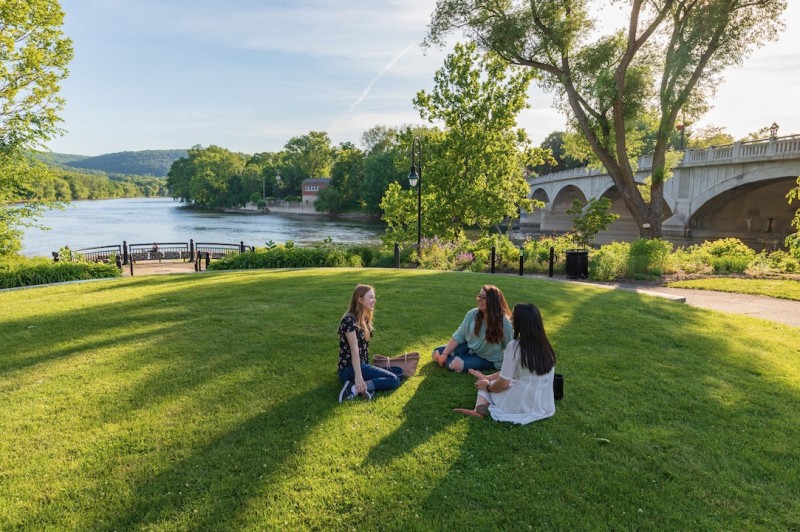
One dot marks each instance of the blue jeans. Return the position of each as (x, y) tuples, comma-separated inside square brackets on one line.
[(470, 359), (374, 377)]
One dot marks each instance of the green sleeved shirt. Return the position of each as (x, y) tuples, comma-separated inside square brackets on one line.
[(478, 344)]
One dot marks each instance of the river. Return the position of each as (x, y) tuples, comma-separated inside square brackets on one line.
[(90, 223)]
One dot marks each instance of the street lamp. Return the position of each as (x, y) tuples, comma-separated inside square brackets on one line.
[(773, 130), (681, 128), (414, 177)]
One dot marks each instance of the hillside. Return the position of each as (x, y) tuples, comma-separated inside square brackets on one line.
[(147, 162)]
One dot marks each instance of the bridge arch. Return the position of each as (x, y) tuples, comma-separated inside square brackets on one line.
[(756, 212), (558, 220)]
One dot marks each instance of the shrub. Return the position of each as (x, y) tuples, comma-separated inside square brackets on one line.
[(647, 258), (609, 262), (367, 253), (22, 271), (537, 253), (284, 256), (693, 259), (435, 254)]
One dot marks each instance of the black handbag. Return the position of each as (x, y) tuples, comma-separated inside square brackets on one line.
[(558, 386)]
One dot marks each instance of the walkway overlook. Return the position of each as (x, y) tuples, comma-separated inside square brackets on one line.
[(738, 190)]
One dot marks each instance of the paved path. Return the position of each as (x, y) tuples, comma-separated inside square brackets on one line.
[(767, 308)]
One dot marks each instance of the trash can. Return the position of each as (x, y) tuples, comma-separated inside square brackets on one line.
[(577, 263)]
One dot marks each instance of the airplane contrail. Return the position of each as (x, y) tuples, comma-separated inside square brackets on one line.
[(386, 68)]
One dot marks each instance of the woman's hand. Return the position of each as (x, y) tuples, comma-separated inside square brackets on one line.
[(361, 386), (477, 374), (482, 384)]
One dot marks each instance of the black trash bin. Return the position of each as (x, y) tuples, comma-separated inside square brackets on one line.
[(577, 263)]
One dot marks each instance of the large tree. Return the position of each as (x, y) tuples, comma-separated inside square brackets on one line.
[(306, 156), (473, 173), (667, 60), (34, 54)]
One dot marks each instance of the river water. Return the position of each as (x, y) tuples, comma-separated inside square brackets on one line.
[(91, 223)]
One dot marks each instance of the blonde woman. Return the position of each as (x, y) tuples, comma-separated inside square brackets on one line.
[(358, 376)]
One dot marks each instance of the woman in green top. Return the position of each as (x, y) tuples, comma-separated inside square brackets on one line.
[(482, 336)]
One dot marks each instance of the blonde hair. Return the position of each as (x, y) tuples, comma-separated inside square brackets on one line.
[(362, 316)]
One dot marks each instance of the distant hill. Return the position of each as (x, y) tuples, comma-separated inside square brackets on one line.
[(58, 159), (147, 162)]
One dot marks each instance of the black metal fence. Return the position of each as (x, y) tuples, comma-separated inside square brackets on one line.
[(94, 254)]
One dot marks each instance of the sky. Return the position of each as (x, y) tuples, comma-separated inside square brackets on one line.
[(248, 75)]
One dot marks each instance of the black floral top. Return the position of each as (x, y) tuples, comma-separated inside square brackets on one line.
[(349, 324)]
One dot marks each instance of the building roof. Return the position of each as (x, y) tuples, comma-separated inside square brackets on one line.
[(317, 181)]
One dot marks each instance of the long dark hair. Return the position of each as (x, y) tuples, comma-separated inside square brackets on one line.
[(496, 310), (535, 350)]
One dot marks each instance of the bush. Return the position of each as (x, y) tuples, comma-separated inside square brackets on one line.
[(647, 258), (729, 255), (435, 254), (367, 253), (21, 271), (285, 256), (537, 253), (609, 262)]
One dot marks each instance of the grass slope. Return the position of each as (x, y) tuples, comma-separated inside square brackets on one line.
[(209, 402), (780, 288)]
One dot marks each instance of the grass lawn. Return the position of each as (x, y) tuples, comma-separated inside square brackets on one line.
[(780, 288), (193, 402)]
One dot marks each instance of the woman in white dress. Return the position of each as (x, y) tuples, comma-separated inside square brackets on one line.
[(522, 391)]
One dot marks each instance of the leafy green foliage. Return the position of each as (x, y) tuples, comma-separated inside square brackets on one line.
[(648, 258), (537, 253), (588, 220), (666, 60), (21, 271), (34, 54), (610, 262), (283, 256), (146, 162), (793, 240), (472, 171)]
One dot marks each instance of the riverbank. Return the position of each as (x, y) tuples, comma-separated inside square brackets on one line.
[(300, 209)]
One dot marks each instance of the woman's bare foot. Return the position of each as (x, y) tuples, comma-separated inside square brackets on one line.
[(439, 358), (469, 412)]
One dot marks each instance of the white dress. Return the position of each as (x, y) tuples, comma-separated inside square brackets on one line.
[(529, 396)]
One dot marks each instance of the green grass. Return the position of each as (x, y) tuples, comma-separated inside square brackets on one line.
[(780, 288), (208, 402)]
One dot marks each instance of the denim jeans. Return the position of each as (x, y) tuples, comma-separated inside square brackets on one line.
[(470, 359), (375, 378)]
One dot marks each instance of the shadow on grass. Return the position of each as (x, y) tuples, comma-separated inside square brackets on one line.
[(211, 487), (660, 406)]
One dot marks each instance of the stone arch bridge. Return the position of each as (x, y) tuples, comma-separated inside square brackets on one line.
[(738, 190)]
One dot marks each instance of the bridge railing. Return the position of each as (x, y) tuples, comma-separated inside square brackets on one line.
[(752, 149), (787, 146)]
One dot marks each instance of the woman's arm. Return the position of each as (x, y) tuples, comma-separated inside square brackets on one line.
[(355, 360), (448, 349)]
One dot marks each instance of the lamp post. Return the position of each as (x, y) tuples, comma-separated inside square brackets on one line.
[(773, 130), (414, 177), (264, 186), (681, 128)]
